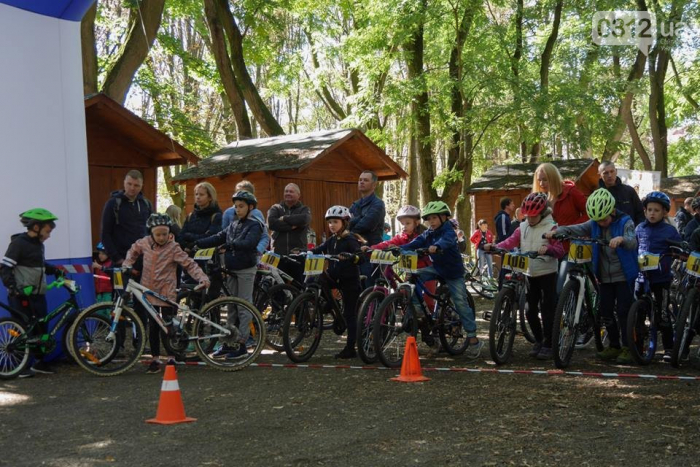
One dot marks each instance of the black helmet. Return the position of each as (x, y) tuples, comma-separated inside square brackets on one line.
[(246, 196), (156, 220)]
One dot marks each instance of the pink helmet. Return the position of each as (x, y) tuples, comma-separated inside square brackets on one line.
[(534, 204), (408, 211)]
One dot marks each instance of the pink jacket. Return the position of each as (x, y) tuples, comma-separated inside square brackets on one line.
[(160, 266)]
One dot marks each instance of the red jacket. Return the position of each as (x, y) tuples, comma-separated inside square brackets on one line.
[(103, 281), (476, 237), (402, 239), (570, 207)]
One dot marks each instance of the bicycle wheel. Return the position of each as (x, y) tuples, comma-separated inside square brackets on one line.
[(488, 288), (641, 332), (565, 332), (13, 357), (686, 328), (453, 337), (502, 326), (522, 317), (365, 316), (302, 328), (98, 352), (67, 347), (393, 324), (280, 297)]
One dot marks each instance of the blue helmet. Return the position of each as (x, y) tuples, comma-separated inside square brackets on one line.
[(100, 247), (657, 197)]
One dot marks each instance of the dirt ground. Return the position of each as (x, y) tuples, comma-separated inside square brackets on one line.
[(298, 416)]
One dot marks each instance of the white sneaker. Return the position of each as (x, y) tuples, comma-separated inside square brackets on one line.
[(474, 350)]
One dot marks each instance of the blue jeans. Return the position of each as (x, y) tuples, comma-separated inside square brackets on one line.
[(485, 259), (458, 293)]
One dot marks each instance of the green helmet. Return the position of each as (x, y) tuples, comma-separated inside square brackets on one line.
[(436, 207), (600, 204), (37, 216)]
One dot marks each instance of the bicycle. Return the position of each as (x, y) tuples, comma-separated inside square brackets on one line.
[(688, 322), (479, 280), (503, 323), (396, 319), (108, 349), (580, 292), (645, 319), (18, 333)]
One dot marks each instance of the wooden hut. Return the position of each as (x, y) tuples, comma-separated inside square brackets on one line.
[(119, 141), (680, 188), (325, 164)]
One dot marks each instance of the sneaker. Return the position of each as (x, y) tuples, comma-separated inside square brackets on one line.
[(545, 353), (43, 368), (535, 349), (624, 358), (346, 353), (27, 373), (222, 351), (611, 353), (240, 352), (474, 350), (251, 343), (153, 367), (667, 356), (584, 340)]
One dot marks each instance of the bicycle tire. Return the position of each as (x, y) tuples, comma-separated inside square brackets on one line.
[(686, 327), (99, 356), (202, 331), (280, 297), (452, 335), (67, 348), (475, 285), (564, 332), (303, 327), (12, 360), (393, 324), (488, 287), (502, 326), (522, 317), (641, 332), (365, 317)]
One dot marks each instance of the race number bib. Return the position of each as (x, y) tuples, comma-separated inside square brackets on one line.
[(271, 259), (648, 261), (381, 257), (580, 253), (516, 263), (204, 254), (692, 267), (313, 266), (408, 262), (118, 281)]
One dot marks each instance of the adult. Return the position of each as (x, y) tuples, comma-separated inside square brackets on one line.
[(626, 198), (124, 217), (684, 215), (503, 219), (694, 222), (230, 215), (204, 220), (289, 222), (368, 214), (517, 220)]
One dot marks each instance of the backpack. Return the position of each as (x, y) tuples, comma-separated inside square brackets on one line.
[(118, 203)]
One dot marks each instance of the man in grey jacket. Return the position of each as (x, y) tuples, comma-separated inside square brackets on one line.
[(289, 222)]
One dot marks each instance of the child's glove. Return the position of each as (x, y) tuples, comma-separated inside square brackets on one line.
[(345, 256)]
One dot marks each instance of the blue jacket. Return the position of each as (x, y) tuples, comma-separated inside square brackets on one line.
[(230, 216), (503, 230), (652, 238), (368, 218), (241, 237), (201, 223), (448, 264), (628, 258)]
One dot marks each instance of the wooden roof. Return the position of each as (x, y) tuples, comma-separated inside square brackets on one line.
[(681, 187), (110, 120), (295, 152), (519, 176)]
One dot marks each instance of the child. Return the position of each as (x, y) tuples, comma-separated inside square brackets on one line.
[(161, 255), (461, 238), (103, 281), (447, 266), (479, 238), (651, 236), (615, 266), (344, 273), (542, 271), (24, 266), (387, 232), (241, 238)]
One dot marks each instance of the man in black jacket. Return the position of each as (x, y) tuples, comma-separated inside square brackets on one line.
[(626, 198), (503, 219), (684, 215), (289, 222), (694, 221)]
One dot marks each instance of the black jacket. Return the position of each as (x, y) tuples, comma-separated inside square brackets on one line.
[(502, 221), (241, 238), (291, 232), (626, 200), (347, 269), (368, 218), (24, 265), (691, 227), (201, 223), (124, 222), (682, 218)]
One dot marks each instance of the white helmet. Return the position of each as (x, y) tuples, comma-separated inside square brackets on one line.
[(338, 212), (408, 211)]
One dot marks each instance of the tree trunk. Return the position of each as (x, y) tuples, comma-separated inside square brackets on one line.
[(223, 64), (261, 112), (515, 68), (636, 141), (658, 64), (89, 51), (413, 175), (135, 49)]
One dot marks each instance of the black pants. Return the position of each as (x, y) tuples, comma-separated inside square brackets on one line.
[(350, 290), (612, 294), (663, 325), (542, 289), (167, 312)]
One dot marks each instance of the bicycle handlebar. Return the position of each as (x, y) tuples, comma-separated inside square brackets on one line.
[(599, 241)]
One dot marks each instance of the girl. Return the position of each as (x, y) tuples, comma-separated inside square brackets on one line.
[(103, 281), (479, 238), (344, 274), (161, 255), (542, 272)]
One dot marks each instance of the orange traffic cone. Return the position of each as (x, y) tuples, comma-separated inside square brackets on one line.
[(170, 407), (410, 367)]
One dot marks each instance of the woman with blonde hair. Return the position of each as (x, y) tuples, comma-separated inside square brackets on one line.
[(204, 221), (567, 202), (175, 213)]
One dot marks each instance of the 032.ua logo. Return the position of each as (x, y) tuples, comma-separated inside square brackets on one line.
[(636, 28)]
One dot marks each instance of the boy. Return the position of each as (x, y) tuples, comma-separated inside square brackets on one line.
[(24, 266), (447, 266)]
